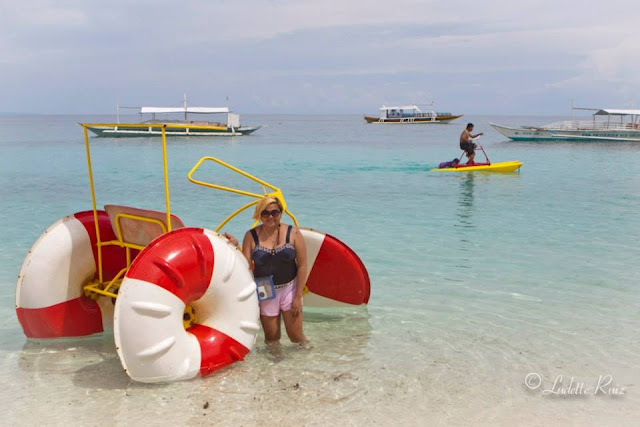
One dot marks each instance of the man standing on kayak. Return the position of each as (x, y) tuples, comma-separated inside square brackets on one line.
[(467, 144)]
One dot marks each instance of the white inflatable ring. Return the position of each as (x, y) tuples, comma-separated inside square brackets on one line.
[(49, 295), (189, 266)]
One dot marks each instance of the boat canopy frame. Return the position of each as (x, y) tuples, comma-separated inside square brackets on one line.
[(194, 110), (99, 286), (616, 112), (184, 109)]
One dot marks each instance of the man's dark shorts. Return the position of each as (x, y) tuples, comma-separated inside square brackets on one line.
[(468, 147)]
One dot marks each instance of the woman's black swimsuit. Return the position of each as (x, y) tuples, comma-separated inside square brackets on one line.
[(279, 262)]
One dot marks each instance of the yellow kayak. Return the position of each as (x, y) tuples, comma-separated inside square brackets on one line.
[(489, 167)]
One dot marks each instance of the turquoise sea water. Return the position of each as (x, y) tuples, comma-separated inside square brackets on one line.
[(478, 280)]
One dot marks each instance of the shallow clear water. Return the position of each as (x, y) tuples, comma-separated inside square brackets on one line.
[(477, 279)]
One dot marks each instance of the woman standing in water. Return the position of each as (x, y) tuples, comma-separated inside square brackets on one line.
[(278, 250)]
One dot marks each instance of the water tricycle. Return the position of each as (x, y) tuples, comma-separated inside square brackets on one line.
[(182, 300), (487, 166)]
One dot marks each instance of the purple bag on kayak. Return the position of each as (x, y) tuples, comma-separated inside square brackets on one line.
[(452, 164)]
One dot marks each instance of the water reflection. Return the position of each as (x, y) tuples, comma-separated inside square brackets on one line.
[(465, 223), (465, 203)]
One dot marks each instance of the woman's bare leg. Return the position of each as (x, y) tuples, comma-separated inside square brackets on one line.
[(293, 325), (271, 328)]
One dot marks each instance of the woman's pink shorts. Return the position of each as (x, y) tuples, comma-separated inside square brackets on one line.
[(282, 301)]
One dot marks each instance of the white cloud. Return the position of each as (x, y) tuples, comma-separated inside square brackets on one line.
[(263, 52), (618, 62), (43, 15)]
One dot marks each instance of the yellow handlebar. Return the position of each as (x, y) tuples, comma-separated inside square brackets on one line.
[(275, 193)]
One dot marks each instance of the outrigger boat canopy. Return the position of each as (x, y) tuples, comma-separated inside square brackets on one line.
[(402, 107), (614, 112), (200, 110)]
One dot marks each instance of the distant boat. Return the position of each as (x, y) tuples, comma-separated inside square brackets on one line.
[(410, 114), (606, 125), (230, 126)]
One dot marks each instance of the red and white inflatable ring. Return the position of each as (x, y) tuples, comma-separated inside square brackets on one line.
[(187, 266), (50, 302)]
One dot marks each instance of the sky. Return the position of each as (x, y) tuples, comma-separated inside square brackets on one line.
[(319, 56)]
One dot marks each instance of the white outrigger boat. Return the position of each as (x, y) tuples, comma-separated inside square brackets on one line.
[(410, 114), (608, 124), (184, 126)]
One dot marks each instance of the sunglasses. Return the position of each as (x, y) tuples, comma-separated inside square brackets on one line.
[(274, 213)]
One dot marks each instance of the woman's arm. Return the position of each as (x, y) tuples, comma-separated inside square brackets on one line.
[(232, 239), (247, 246), (301, 261), (301, 275)]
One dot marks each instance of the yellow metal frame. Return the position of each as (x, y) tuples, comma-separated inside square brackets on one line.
[(99, 286), (275, 193), (120, 242)]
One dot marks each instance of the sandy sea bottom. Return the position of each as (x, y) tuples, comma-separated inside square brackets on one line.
[(475, 365), (440, 375)]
